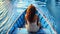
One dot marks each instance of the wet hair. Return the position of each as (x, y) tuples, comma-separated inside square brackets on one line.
[(30, 13)]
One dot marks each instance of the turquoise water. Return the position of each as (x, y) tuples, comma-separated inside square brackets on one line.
[(14, 8)]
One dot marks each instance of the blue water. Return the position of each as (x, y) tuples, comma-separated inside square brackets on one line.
[(54, 9), (17, 7)]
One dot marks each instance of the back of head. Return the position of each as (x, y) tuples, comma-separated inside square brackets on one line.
[(30, 13)]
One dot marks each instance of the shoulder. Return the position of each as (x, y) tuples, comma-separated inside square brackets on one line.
[(25, 17)]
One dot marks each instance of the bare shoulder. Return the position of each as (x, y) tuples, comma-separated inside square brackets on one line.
[(38, 23), (25, 17)]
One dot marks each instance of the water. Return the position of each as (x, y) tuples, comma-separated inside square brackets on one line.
[(17, 7)]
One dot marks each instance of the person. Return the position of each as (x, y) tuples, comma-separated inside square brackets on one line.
[(32, 20)]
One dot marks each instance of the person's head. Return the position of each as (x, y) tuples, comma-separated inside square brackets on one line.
[(31, 10)]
